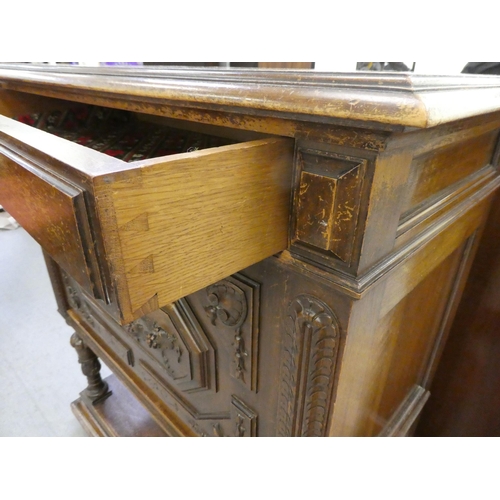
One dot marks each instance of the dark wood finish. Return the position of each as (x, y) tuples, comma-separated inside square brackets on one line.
[(370, 190), (97, 389), (464, 395), (329, 220), (13, 104), (435, 171), (399, 100)]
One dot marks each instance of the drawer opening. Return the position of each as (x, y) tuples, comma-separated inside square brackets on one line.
[(120, 134)]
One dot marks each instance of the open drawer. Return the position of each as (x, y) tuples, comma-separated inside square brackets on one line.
[(143, 234)]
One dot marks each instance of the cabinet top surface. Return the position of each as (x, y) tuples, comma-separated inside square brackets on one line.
[(403, 99)]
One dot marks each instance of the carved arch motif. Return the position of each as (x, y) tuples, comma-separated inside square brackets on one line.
[(308, 359)]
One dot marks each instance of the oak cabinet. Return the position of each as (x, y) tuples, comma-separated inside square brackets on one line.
[(252, 253)]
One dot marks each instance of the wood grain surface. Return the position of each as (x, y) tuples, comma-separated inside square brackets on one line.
[(172, 226), (398, 98), (464, 395), (51, 210), (119, 415)]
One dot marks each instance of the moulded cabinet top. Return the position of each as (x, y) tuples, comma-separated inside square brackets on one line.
[(403, 99)]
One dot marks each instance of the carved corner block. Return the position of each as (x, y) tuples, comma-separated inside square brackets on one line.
[(327, 202), (308, 360)]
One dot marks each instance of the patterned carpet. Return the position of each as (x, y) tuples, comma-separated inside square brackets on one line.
[(119, 133)]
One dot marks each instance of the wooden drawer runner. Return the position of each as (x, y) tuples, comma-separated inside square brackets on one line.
[(146, 233)]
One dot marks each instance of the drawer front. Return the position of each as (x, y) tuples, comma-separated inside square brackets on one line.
[(152, 231), (51, 210)]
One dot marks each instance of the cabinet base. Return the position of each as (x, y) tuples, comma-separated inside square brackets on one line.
[(119, 415)]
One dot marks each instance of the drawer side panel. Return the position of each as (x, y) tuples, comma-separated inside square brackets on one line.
[(172, 226)]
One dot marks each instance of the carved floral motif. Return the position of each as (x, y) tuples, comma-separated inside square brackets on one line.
[(228, 304), (155, 337), (240, 354)]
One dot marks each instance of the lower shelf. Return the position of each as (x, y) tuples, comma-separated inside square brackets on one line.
[(119, 415)]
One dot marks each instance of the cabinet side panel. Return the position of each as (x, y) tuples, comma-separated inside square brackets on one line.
[(434, 171), (464, 394), (392, 355), (410, 330), (396, 330)]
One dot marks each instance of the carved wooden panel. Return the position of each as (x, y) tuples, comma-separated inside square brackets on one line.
[(243, 418), (185, 404), (176, 359), (242, 422), (86, 310), (328, 200), (175, 339), (76, 299), (433, 173), (232, 305), (308, 358)]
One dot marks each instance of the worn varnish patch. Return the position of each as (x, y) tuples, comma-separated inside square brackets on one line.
[(328, 202)]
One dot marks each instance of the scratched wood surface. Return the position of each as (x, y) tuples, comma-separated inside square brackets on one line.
[(397, 99)]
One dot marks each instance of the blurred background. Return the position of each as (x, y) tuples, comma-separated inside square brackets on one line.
[(434, 67)]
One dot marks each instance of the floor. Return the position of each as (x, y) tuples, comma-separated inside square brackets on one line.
[(39, 371)]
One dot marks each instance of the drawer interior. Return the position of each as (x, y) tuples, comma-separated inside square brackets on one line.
[(117, 133)]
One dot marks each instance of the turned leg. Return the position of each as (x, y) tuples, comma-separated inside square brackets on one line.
[(97, 390)]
